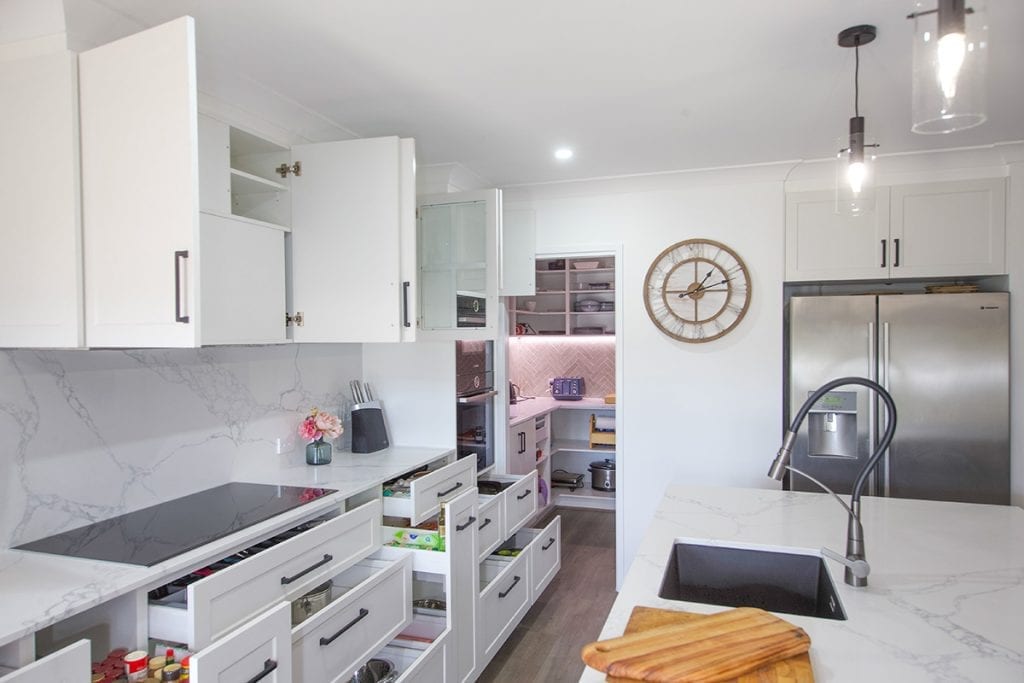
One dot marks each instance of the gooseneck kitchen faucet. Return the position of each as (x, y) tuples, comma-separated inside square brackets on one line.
[(856, 573)]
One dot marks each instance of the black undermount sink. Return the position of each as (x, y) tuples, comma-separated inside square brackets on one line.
[(740, 577)]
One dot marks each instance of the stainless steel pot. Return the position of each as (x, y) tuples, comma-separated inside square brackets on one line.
[(602, 475), (375, 671), (312, 602)]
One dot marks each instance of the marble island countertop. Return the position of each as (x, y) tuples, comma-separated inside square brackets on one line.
[(39, 589), (945, 600)]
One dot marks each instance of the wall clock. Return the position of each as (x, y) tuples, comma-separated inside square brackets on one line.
[(697, 290)]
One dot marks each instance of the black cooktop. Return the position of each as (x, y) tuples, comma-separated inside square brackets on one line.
[(154, 534)]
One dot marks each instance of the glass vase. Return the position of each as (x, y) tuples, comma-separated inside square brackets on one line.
[(318, 452)]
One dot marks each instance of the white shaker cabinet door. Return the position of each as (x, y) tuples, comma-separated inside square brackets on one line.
[(347, 241), (140, 188), (41, 280), (261, 650), (518, 253), (69, 665)]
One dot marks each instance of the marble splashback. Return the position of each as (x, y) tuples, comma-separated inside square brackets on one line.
[(86, 435), (533, 361)]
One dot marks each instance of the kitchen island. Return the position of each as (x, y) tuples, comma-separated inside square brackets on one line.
[(945, 599)]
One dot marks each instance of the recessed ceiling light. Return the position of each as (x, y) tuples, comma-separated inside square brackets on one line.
[(563, 153)]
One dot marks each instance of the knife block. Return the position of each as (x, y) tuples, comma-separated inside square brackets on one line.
[(369, 432)]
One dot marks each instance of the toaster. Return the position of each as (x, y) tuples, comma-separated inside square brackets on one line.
[(568, 388)]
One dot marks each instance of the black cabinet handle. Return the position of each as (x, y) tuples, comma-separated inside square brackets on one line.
[(550, 543), (463, 527), (405, 305), (268, 668), (179, 256), (525, 494), (487, 520), (505, 594), (883, 254), (285, 580), (896, 262), (363, 613), (442, 494)]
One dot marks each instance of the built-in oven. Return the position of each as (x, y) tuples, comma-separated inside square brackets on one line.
[(475, 401), (470, 310)]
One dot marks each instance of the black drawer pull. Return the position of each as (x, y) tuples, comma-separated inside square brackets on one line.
[(442, 494), (268, 668), (505, 594), (550, 543), (883, 254), (363, 613), (896, 263), (463, 527), (405, 305), (179, 257), (525, 494), (285, 580), (487, 520)]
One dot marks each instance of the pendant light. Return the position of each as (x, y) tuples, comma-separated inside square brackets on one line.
[(855, 193), (950, 55)]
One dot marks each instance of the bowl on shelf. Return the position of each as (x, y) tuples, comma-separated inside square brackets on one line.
[(529, 306), (585, 265)]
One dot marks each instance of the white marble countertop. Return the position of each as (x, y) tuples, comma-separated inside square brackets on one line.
[(945, 600), (532, 407), (39, 589)]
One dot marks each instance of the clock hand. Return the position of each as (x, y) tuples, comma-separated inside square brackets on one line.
[(702, 288), (699, 286)]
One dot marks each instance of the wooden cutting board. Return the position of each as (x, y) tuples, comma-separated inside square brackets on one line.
[(744, 645)]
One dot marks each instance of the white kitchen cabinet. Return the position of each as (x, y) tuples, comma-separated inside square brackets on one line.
[(947, 229), (521, 450), (68, 665), (41, 281), (259, 650), (443, 482), (504, 600), (458, 238), (518, 252), (150, 164)]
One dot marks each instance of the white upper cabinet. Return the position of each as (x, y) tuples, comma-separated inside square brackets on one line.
[(518, 253), (353, 241), (952, 228), (41, 279), (947, 229), (458, 238), (140, 181)]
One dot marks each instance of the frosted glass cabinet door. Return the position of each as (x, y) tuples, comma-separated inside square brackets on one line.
[(140, 188), (457, 238)]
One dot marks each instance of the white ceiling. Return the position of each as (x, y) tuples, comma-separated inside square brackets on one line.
[(633, 87)]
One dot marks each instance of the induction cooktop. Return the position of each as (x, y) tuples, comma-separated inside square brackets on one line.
[(157, 533)]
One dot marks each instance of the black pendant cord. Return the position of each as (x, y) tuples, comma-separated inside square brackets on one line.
[(856, 79)]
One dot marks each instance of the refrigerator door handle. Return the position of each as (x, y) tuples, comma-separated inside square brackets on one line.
[(885, 385), (872, 404)]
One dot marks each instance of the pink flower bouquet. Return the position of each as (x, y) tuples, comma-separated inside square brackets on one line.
[(320, 424)]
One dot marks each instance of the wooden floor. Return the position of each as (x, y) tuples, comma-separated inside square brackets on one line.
[(570, 613)]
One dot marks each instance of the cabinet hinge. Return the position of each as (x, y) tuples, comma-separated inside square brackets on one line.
[(284, 169), (296, 319)]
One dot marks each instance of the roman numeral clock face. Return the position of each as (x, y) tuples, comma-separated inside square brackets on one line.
[(697, 290)]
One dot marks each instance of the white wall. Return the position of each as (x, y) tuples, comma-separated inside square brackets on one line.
[(711, 413), (695, 413)]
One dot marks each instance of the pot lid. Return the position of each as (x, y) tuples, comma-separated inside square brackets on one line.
[(605, 464)]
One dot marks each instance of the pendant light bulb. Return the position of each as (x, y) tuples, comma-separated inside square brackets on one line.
[(951, 52), (856, 174)]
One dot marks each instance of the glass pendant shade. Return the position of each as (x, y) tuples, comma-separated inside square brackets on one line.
[(854, 182), (950, 55)]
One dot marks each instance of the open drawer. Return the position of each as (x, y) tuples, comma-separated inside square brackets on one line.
[(371, 603), (504, 599), (490, 522), (519, 500), (258, 651), (418, 652), (545, 550), (427, 492), (212, 606), (67, 664)]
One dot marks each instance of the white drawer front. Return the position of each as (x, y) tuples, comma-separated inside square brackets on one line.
[(331, 644), (416, 663), (69, 665), (231, 596), (259, 651), (503, 603), (520, 503), (489, 525), (546, 556), (426, 493)]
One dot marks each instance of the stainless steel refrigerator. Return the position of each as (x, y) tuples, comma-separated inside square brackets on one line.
[(944, 358)]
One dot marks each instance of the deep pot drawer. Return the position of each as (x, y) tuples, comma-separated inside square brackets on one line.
[(503, 601), (520, 503), (372, 603), (489, 524), (427, 492), (221, 601), (546, 556)]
